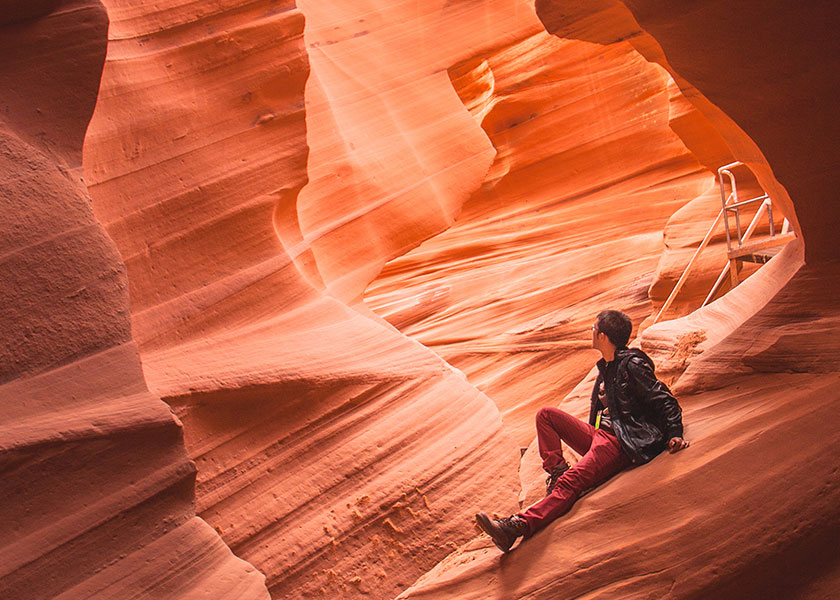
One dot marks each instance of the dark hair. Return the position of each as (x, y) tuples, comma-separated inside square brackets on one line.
[(616, 325)]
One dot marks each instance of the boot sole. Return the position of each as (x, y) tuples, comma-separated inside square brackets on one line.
[(487, 527)]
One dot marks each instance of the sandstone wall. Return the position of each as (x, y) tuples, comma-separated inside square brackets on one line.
[(741, 77), (97, 494), (336, 455), (568, 221), (486, 176), (749, 510)]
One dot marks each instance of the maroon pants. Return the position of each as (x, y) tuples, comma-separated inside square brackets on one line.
[(601, 458)]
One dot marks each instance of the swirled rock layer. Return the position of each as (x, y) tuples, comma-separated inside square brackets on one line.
[(567, 222), (750, 509), (486, 175), (333, 453), (98, 490)]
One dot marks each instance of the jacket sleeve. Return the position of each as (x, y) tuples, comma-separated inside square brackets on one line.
[(656, 397), (593, 401)]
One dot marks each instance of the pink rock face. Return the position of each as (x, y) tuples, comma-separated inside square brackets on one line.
[(567, 222), (333, 452), (363, 242), (97, 494)]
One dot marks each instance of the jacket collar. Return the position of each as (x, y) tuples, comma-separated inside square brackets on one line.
[(619, 354)]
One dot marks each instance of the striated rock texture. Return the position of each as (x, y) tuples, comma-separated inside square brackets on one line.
[(97, 494), (394, 154), (750, 510), (568, 220), (333, 453), (339, 225)]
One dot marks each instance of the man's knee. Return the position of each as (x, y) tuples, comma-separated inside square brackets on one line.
[(544, 414), (550, 414)]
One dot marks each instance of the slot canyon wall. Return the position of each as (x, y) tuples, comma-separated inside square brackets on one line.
[(750, 509), (588, 169), (333, 453), (362, 242), (97, 488)]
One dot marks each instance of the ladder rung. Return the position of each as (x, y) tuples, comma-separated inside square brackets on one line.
[(736, 205), (753, 247)]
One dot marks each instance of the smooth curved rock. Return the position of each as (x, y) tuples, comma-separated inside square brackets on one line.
[(259, 164), (97, 495), (741, 78), (750, 509), (567, 222), (333, 453)]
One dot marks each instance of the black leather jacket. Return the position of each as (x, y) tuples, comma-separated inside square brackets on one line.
[(643, 412)]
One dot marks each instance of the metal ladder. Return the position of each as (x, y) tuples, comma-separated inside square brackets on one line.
[(759, 251)]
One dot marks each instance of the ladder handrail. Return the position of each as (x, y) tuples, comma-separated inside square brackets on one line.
[(725, 170), (752, 227), (739, 204), (729, 202), (688, 268), (754, 223)]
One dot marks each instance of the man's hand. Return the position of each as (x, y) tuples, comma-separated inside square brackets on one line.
[(676, 444)]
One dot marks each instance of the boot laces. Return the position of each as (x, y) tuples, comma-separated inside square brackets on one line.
[(513, 523)]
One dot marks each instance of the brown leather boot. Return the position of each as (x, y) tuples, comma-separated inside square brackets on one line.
[(503, 532)]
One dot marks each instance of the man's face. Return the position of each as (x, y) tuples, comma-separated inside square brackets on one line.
[(600, 341)]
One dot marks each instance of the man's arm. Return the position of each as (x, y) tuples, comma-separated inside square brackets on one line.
[(659, 399)]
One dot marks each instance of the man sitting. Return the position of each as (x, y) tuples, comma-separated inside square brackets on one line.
[(632, 418)]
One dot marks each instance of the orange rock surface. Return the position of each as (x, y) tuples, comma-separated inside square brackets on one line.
[(569, 218), (362, 242), (333, 452), (97, 493), (750, 509)]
